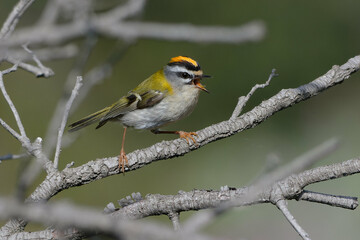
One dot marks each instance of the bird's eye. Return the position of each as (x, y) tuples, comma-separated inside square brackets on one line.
[(184, 75)]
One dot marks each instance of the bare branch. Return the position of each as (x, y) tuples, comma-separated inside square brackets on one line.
[(14, 17), (63, 215), (75, 92), (243, 100), (331, 200), (12, 156), (46, 72), (10, 130), (23, 138), (281, 204), (50, 138), (38, 72), (253, 31), (43, 54), (250, 32)]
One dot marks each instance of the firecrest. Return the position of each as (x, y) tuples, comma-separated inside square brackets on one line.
[(166, 96)]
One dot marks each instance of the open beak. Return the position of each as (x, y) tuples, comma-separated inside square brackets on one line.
[(199, 85)]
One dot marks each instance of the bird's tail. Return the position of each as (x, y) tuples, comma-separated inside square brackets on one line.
[(92, 118)]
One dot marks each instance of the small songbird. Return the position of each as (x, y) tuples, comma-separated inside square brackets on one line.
[(166, 96)]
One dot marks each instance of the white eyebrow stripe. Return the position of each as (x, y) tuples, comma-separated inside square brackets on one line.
[(180, 69)]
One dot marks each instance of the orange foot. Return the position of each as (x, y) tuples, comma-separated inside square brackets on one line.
[(188, 136), (123, 160)]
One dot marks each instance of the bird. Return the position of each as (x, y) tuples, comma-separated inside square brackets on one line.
[(168, 95)]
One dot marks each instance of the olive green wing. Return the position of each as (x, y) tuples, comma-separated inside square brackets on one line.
[(132, 101)]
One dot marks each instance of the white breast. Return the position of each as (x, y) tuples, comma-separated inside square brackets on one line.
[(170, 109)]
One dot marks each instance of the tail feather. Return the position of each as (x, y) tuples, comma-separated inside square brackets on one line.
[(95, 117)]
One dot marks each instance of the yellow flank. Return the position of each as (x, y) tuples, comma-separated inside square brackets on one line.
[(186, 59), (157, 81)]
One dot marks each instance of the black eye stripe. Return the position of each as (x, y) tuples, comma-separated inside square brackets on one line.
[(184, 75)]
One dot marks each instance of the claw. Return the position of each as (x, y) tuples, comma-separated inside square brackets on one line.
[(123, 160), (188, 136)]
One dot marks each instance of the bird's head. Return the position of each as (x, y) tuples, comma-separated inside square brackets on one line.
[(182, 71)]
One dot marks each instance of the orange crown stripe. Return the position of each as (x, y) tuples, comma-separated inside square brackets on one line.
[(184, 59)]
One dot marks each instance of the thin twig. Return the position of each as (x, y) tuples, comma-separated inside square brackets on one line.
[(44, 54), (244, 99), (74, 93), (31, 68), (50, 137), (47, 72), (281, 204), (24, 139), (329, 199), (175, 219), (14, 17), (12, 156), (10, 130)]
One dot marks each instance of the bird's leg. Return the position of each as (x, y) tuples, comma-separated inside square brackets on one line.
[(187, 135), (122, 157)]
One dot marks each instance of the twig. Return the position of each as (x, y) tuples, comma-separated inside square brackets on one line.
[(10, 70), (43, 54), (329, 199), (12, 156), (175, 219), (31, 68), (23, 138), (46, 72), (243, 100), (281, 204), (10, 130), (14, 17), (75, 91), (50, 137)]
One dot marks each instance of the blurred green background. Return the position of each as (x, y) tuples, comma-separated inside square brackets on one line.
[(304, 40)]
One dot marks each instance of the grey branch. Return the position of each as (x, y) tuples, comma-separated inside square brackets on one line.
[(43, 71), (43, 54), (13, 18), (288, 188), (329, 199), (23, 138), (56, 34), (65, 215), (281, 204), (74, 93)]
